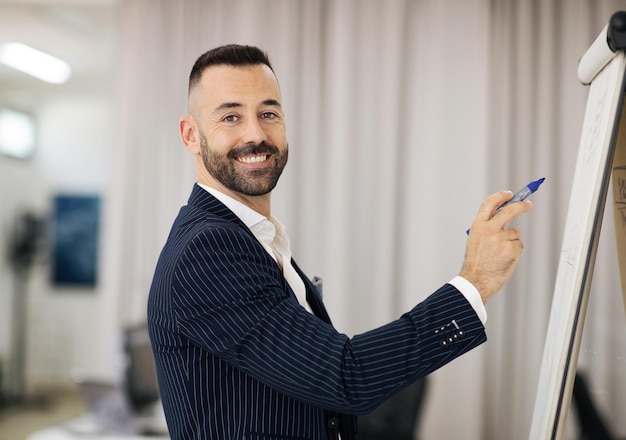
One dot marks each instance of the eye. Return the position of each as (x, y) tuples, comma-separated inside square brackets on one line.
[(230, 118), (268, 115)]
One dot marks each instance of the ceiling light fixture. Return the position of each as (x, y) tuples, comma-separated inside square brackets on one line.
[(34, 62)]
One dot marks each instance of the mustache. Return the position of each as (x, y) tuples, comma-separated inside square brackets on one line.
[(252, 148)]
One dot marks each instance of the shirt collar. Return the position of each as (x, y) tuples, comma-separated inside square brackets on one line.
[(247, 215), (269, 232)]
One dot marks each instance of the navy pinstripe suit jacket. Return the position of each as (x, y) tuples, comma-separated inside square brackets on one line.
[(238, 358)]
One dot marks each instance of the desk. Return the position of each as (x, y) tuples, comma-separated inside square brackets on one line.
[(87, 427)]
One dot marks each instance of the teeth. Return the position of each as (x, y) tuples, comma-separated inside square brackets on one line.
[(253, 159)]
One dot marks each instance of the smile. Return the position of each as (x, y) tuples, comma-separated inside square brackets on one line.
[(253, 159)]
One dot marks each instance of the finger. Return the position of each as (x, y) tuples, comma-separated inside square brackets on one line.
[(505, 215), (517, 246), (512, 234), (491, 203)]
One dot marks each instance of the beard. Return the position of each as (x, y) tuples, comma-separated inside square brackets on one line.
[(223, 167)]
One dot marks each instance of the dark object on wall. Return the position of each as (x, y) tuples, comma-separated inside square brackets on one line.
[(75, 240), (397, 418), (26, 242)]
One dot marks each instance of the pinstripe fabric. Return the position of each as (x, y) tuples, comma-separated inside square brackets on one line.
[(238, 358)]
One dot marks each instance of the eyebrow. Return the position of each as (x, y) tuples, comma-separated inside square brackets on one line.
[(229, 105)]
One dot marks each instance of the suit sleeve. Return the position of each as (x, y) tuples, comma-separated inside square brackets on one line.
[(229, 298)]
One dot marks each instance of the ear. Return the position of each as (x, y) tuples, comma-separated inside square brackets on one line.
[(189, 134)]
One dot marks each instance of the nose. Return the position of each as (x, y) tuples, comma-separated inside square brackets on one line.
[(253, 132)]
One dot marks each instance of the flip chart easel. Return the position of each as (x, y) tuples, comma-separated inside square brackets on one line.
[(602, 150)]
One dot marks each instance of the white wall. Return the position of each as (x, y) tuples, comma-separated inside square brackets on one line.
[(64, 325), (66, 328)]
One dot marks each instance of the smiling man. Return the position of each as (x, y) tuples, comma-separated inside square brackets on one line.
[(236, 129), (243, 345)]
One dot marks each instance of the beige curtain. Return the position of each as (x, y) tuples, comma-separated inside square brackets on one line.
[(402, 115)]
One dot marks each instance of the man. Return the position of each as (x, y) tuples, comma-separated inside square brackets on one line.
[(243, 345)]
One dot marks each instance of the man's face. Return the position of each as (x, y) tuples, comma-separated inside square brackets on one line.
[(241, 127)]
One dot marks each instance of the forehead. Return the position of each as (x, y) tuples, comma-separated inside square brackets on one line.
[(238, 84)]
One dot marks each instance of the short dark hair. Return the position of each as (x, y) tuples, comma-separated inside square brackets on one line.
[(231, 55)]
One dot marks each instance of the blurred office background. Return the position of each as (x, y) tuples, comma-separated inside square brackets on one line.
[(402, 116)]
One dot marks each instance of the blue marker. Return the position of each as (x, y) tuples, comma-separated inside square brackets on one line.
[(521, 195)]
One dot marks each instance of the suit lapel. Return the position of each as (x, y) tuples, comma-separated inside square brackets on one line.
[(204, 200), (313, 296), (347, 422)]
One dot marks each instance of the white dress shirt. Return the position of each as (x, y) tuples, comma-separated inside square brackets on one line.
[(271, 234)]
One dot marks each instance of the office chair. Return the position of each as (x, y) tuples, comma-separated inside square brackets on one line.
[(397, 418), (592, 426), (141, 385)]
